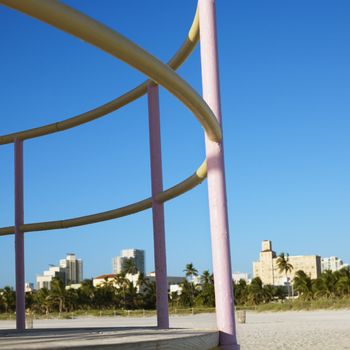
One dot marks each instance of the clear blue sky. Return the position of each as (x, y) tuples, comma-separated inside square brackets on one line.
[(285, 83)]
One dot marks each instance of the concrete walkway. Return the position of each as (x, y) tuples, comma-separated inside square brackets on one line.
[(109, 338)]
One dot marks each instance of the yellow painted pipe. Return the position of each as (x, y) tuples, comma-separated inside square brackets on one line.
[(171, 193), (103, 37), (71, 21), (175, 62)]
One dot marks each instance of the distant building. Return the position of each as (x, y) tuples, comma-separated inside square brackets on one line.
[(267, 269), (170, 279), (74, 286), (332, 263), (117, 264), (44, 281), (175, 288), (137, 255), (110, 278), (196, 280), (237, 276), (99, 281), (73, 269), (69, 271), (28, 287)]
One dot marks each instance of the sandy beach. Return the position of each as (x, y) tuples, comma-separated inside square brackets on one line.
[(296, 330), (279, 330)]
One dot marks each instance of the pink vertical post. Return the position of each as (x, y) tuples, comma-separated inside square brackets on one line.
[(19, 239), (216, 182), (158, 208)]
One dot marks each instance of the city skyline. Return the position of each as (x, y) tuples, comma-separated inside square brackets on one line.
[(69, 270), (332, 262), (284, 83)]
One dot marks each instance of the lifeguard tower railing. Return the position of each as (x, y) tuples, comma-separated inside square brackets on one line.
[(206, 110)]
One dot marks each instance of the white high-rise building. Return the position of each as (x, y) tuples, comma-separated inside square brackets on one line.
[(44, 281), (137, 255), (332, 263), (69, 271), (73, 269), (117, 264), (28, 287), (237, 276)]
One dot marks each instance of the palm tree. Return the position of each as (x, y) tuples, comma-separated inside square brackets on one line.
[(325, 285), (29, 300), (2, 304), (303, 285), (207, 278), (268, 293), (190, 271), (141, 282), (131, 295), (174, 299), (240, 292), (42, 301), (129, 266), (9, 298), (86, 293), (343, 281), (71, 299), (279, 292), (206, 295), (58, 293), (256, 293), (285, 266), (121, 283), (329, 280), (187, 293), (104, 295), (318, 288), (149, 295)]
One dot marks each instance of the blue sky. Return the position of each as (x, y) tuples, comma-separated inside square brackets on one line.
[(285, 100)]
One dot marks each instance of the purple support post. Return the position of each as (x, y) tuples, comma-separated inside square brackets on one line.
[(19, 239), (158, 208), (216, 182)]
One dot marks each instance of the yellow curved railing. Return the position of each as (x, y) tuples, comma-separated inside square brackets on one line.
[(175, 62), (69, 20)]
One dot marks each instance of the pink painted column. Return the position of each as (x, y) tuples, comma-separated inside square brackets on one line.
[(216, 182), (158, 208), (19, 239)]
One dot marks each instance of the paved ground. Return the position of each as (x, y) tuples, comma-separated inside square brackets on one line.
[(281, 330), (125, 338)]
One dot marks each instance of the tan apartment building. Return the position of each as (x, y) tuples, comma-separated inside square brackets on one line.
[(267, 269)]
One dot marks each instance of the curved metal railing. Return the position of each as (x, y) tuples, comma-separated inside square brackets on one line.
[(69, 20)]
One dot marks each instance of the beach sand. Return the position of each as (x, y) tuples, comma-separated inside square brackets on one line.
[(268, 330), (296, 330)]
